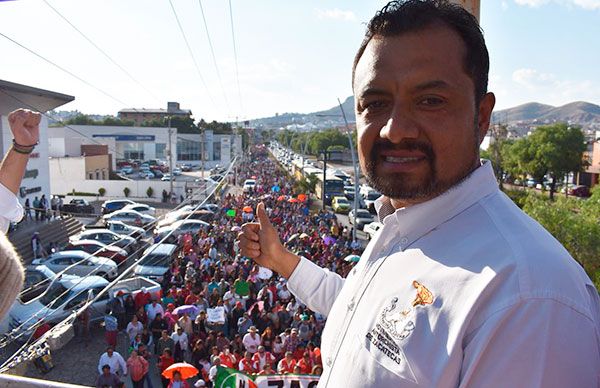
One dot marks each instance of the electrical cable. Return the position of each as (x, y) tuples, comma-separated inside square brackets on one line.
[(237, 72), (8, 363), (187, 44), (102, 51)]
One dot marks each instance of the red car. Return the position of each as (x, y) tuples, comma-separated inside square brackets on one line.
[(580, 191), (97, 248)]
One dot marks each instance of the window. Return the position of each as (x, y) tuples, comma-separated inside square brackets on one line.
[(133, 150), (161, 151), (217, 151), (188, 149)]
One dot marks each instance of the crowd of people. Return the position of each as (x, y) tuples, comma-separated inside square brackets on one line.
[(218, 308)]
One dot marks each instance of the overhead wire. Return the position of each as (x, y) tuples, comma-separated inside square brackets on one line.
[(64, 70), (189, 48), (13, 337), (235, 58), (8, 363), (103, 52)]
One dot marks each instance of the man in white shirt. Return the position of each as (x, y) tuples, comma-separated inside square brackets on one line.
[(114, 360), (154, 308), (251, 340), (459, 288)]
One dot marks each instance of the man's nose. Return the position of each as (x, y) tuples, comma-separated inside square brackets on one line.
[(401, 125)]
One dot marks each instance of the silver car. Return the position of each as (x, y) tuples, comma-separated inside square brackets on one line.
[(130, 217), (80, 263)]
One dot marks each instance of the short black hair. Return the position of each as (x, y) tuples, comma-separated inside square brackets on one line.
[(403, 16)]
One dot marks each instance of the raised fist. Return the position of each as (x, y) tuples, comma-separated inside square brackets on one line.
[(25, 126)]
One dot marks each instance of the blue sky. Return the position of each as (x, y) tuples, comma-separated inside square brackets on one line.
[(293, 56)]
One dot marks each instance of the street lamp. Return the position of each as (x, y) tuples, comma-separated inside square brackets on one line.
[(354, 163)]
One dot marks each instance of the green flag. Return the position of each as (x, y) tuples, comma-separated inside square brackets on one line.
[(231, 213), (232, 378)]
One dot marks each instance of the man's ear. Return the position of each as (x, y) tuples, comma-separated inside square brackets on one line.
[(486, 106)]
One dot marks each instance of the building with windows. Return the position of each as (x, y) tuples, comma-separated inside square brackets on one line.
[(141, 115), (36, 181)]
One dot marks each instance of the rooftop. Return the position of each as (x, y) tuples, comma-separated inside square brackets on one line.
[(14, 96)]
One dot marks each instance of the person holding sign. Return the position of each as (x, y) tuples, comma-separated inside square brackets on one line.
[(459, 287)]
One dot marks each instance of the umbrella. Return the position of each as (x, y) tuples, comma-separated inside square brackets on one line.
[(276, 188), (281, 198), (293, 200), (264, 273), (328, 240), (188, 309), (352, 258), (303, 236), (292, 237), (253, 176), (184, 368), (247, 209), (301, 197), (236, 228)]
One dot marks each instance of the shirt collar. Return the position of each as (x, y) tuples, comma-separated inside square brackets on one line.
[(410, 223)]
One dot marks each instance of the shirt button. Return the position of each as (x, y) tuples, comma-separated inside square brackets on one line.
[(328, 361), (404, 241), (351, 305)]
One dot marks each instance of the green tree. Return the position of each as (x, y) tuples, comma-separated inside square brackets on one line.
[(556, 150), (126, 191)]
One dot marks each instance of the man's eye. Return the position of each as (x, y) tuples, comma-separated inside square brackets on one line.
[(431, 101), (374, 105)]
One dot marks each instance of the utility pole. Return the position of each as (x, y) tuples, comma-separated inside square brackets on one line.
[(170, 157), (202, 142), (324, 178), (355, 164)]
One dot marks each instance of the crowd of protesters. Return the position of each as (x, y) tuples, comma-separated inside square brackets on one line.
[(218, 308)]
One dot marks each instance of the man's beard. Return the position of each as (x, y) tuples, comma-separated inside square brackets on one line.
[(410, 186)]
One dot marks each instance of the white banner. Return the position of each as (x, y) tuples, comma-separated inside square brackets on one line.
[(287, 381), (216, 315)]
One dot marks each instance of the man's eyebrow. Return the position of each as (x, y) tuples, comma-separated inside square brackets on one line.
[(435, 84), (372, 92)]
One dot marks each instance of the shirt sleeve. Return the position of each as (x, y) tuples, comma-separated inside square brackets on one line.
[(534, 343), (316, 287), (10, 208)]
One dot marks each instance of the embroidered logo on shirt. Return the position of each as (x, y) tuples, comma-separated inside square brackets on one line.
[(395, 324)]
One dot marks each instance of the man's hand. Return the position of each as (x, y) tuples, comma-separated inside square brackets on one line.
[(260, 241), (25, 126)]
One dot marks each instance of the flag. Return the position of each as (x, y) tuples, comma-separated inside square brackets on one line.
[(232, 378), (231, 213)]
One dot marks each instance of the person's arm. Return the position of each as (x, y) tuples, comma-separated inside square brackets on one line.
[(123, 365), (534, 343), (100, 364)]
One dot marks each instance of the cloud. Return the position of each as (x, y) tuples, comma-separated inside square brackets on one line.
[(336, 14), (551, 88), (504, 5), (585, 4)]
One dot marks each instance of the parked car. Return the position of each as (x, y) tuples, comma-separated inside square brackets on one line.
[(107, 237), (127, 170), (349, 192), (370, 199), (176, 171), (340, 205), (126, 230), (37, 280), (67, 293), (363, 217), (114, 205), (580, 191), (202, 215), (210, 207), (249, 185), (78, 206), (130, 217), (142, 208), (372, 229), (180, 227), (156, 261), (166, 177), (146, 174), (97, 248), (83, 264)]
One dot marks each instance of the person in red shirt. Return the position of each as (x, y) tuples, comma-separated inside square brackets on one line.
[(305, 364), (142, 298), (165, 361), (227, 358), (191, 299), (287, 364), (246, 364)]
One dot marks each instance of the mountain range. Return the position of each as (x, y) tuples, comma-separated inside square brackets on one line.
[(579, 112)]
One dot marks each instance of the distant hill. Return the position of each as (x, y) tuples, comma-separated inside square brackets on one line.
[(580, 112)]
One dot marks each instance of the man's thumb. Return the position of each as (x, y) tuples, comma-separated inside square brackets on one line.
[(263, 218)]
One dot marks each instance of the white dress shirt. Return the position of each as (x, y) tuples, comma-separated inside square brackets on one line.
[(10, 208), (464, 290), (116, 362)]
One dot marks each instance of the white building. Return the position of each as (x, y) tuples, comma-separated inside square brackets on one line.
[(36, 181)]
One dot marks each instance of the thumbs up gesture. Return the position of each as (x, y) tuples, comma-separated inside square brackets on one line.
[(260, 241)]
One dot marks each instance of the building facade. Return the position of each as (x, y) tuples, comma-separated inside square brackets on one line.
[(141, 115)]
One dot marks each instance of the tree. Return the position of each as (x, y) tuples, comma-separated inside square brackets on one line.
[(498, 134), (556, 150), (102, 191), (150, 192), (126, 191)]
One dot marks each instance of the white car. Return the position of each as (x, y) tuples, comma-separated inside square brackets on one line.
[(141, 208), (130, 217), (166, 177), (249, 185), (107, 237), (176, 171), (125, 230), (181, 227), (80, 263), (372, 229)]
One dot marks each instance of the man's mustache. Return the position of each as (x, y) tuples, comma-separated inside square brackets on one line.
[(405, 145)]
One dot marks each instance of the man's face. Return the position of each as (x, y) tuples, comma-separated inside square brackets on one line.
[(418, 125)]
